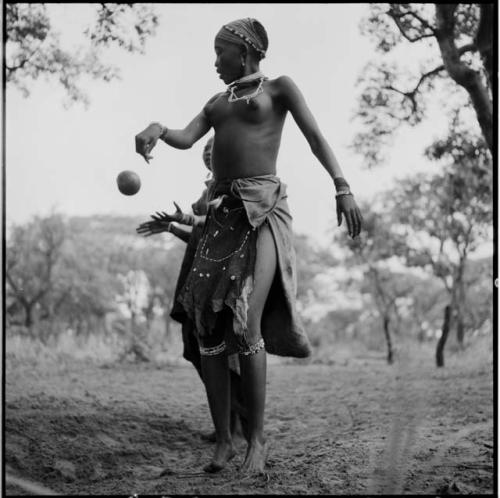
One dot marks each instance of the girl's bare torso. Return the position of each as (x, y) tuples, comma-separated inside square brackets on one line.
[(247, 136)]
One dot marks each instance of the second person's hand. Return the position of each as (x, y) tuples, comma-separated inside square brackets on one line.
[(153, 227)]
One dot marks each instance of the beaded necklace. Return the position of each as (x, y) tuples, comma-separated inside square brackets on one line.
[(246, 80)]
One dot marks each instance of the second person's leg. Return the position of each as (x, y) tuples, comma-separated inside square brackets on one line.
[(215, 371)]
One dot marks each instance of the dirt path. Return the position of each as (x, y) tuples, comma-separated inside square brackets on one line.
[(353, 427)]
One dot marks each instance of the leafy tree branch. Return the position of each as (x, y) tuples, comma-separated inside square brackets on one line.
[(34, 49), (463, 35)]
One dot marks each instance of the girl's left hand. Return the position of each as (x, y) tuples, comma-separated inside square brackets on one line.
[(347, 206)]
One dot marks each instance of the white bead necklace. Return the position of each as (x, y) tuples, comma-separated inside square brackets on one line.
[(246, 79)]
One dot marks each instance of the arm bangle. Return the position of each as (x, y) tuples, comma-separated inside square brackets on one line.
[(342, 186), (343, 191)]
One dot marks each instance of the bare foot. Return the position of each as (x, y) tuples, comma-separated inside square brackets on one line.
[(209, 436), (237, 430), (255, 459), (223, 453)]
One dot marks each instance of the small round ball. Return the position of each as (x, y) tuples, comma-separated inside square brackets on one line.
[(128, 182)]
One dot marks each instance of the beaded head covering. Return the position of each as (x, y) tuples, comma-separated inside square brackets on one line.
[(248, 31)]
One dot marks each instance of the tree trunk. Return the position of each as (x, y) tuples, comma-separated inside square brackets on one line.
[(444, 336), (387, 333), (460, 305), (484, 38), (28, 316), (421, 335), (148, 314), (79, 327), (168, 328), (462, 74), (460, 330)]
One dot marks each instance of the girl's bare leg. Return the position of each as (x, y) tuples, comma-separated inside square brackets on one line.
[(253, 367), (216, 376)]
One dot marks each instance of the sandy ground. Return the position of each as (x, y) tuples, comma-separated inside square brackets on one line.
[(355, 426)]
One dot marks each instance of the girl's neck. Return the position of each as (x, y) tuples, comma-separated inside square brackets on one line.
[(247, 78), (250, 68)]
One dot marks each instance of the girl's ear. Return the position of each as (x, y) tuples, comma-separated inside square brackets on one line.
[(243, 52)]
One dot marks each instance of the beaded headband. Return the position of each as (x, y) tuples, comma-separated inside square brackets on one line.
[(246, 40)]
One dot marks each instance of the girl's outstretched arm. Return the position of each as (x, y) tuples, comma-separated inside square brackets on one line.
[(294, 101), (146, 140)]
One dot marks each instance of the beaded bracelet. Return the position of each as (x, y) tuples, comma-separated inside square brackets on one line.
[(342, 186), (163, 129)]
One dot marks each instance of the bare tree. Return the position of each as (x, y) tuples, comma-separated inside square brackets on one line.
[(461, 38), (375, 246), (445, 217), (33, 251)]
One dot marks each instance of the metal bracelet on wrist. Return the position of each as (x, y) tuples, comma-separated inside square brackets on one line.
[(343, 191)]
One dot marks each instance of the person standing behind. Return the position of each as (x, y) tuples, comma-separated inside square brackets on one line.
[(163, 222)]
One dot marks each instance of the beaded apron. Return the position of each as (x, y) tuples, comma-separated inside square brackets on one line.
[(191, 351), (222, 271)]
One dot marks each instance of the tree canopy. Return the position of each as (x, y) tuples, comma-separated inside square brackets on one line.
[(33, 46)]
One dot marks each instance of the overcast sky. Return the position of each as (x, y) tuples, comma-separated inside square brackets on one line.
[(68, 159)]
